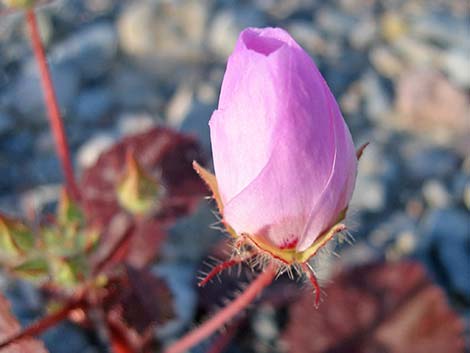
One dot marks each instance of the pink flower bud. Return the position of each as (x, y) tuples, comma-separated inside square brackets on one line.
[(284, 158)]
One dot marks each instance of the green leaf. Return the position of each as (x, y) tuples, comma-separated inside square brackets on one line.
[(15, 237), (35, 269)]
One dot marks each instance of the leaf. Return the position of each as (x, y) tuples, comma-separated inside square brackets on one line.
[(9, 327), (34, 269), (165, 155), (135, 304), (381, 308), (15, 237)]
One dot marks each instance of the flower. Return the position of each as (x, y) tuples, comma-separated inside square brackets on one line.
[(284, 159)]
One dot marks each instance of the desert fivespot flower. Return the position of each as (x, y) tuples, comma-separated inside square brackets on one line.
[(284, 160)]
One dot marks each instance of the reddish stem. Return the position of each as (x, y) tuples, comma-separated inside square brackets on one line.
[(50, 98), (45, 323), (224, 315), (222, 267)]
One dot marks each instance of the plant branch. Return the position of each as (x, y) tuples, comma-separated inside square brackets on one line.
[(224, 315), (46, 322), (50, 98)]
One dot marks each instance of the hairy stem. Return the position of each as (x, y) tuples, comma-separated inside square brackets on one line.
[(224, 315), (50, 98)]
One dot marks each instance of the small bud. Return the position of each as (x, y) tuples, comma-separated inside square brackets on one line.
[(138, 192), (68, 211), (15, 237), (70, 271)]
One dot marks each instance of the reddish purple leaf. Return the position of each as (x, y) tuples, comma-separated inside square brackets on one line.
[(386, 308), (166, 155)]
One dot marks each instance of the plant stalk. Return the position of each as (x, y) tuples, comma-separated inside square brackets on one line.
[(50, 98), (226, 314)]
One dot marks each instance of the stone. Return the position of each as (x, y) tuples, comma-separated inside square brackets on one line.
[(393, 26), (282, 9), (164, 35), (135, 123), (377, 99), (429, 105), (90, 50), (196, 123), (363, 33), (308, 37), (180, 277), (386, 61), (27, 96), (456, 63), (93, 104), (445, 246), (333, 22), (436, 194), (425, 161), (6, 123), (370, 195), (89, 152), (227, 25)]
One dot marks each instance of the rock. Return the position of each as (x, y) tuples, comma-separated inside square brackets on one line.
[(442, 29), (377, 100), (197, 123), (431, 106), (393, 26), (164, 34), (6, 123), (282, 9), (89, 152), (135, 123), (308, 37), (363, 34), (40, 198), (424, 162), (456, 63), (27, 97), (18, 145), (386, 62), (179, 105), (445, 245), (90, 50), (370, 195), (416, 52), (227, 25), (180, 278), (76, 340), (392, 229), (334, 22), (93, 104), (134, 90), (45, 169), (436, 195)]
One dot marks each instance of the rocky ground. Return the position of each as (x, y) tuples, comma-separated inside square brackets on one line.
[(399, 69)]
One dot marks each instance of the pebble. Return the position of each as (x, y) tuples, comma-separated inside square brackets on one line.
[(163, 35), (135, 123), (27, 98), (93, 104), (227, 25), (6, 123), (429, 105), (425, 162), (436, 194), (89, 152), (179, 277), (90, 51), (456, 63), (445, 244)]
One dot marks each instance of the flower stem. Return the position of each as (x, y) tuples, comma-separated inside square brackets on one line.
[(224, 315), (50, 98)]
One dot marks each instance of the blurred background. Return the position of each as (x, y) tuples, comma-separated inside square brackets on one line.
[(400, 71)]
